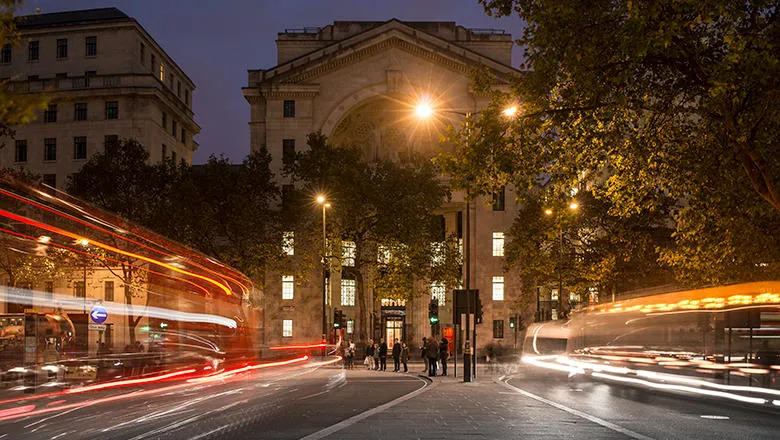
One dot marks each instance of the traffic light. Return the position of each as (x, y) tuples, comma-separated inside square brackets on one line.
[(337, 317), (512, 321), (433, 311), (478, 316)]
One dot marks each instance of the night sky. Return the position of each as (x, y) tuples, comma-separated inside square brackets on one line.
[(215, 42)]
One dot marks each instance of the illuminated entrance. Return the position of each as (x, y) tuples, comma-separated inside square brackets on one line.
[(393, 317)]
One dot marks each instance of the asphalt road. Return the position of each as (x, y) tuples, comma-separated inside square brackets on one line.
[(648, 414), (282, 404)]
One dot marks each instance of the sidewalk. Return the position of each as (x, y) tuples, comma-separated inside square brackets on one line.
[(484, 409)]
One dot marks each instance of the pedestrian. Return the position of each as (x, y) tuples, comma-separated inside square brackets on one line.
[(444, 354), (376, 356), (422, 354), (383, 354), (350, 354), (369, 354), (405, 356), (396, 356), (432, 352)]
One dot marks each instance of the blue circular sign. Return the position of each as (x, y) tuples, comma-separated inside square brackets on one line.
[(98, 314)]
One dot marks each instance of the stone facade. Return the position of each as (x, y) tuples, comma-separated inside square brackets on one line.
[(105, 78), (358, 83)]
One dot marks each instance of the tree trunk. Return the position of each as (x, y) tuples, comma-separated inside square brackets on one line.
[(361, 314)]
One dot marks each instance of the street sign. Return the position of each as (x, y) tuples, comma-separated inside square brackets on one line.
[(100, 327), (98, 314)]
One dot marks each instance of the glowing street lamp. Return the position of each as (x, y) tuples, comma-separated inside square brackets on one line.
[(573, 206)]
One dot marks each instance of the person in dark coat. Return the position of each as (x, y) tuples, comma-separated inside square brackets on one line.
[(383, 354), (432, 352), (444, 354), (405, 357), (396, 356), (423, 355)]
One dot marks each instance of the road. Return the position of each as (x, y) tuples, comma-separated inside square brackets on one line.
[(327, 402)]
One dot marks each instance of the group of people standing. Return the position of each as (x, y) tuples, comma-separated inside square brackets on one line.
[(432, 352), (376, 355)]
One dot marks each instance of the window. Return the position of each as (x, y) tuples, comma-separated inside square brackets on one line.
[(170, 77), (348, 292), (80, 147), (143, 54), (50, 179), (348, 253), (91, 49), (498, 244), (110, 140), (187, 97), (151, 64), (81, 289), (50, 149), (498, 199), (173, 156), (383, 254), (498, 328), (162, 72), (288, 151), (5, 55), (33, 51), (350, 327), (289, 109), (20, 154), (81, 111), (288, 286), (173, 128), (164, 151), (178, 89), (87, 75), (287, 328), (165, 120), (62, 48), (438, 293), (184, 136), (112, 109), (108, 290), (288, 243), (50, 114), (498, 288)]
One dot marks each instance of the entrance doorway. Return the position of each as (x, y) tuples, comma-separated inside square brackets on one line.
[(394, 329)]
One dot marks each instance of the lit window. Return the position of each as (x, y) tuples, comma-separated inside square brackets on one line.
[(288, 243), (498, 288), (348, 253), (287, 328), (498, 328), (162, 72), (438, 253), (554, 295), (348, 292), (350, 327), (288, 286), (438, 293), (498, 244), (383, 254)]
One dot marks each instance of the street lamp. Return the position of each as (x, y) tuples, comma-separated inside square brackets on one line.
[(322, 201), (573, 206), (424, 110)]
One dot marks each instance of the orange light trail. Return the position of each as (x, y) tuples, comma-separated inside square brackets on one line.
[(109, 248), (298, 347), (124, 383)]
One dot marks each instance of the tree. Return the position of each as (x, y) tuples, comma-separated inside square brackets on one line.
[(387, 210), (15, 108), (644, 102)]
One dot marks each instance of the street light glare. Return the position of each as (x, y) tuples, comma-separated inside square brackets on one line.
[(423, 110), (320, 199), (574, 205), (83, 242), (548, 211), (510, 111), (327, 205)]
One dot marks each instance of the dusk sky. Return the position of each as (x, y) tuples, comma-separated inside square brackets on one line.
[(216, 42)]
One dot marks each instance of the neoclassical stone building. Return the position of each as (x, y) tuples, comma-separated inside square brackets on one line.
[(359, 82), (106, 78)]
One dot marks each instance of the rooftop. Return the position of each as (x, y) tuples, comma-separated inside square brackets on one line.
[(100, 15)]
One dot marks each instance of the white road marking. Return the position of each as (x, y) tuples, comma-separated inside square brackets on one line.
[(354, 419), (586, 416)]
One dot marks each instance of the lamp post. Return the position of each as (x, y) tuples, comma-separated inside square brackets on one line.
[(573, 206), (424, 110), (322, 201)]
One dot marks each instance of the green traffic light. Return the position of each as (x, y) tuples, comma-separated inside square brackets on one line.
[(434, 319)]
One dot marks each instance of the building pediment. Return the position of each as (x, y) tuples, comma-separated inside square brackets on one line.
[(391, 35)]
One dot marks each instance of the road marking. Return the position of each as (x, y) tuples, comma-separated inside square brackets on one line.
[(354, 419), (706, 416), (586, 416)]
